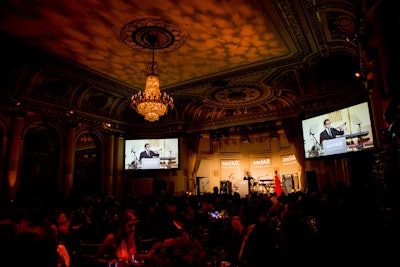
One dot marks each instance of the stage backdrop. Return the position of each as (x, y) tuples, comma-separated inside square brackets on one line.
[(231, 171), (260, 169), (288, 164)]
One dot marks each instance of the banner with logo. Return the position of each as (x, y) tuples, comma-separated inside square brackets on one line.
[(231, 171), (261, 169), (288, 164)]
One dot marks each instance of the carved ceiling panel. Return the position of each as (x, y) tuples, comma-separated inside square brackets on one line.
[(224, 62)]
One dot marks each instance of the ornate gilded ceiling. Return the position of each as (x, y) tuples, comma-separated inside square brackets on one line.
[(225, 63)]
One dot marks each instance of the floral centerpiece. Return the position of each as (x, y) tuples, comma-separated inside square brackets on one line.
[(177, 252)]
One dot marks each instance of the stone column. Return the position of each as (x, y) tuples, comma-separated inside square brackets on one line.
[(69, 161), (109, 164), (14, 156), (119, 161)]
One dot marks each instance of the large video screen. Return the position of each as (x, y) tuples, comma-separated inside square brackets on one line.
[(350, 130), (152, 154)]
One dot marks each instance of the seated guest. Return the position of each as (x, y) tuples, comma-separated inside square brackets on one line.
[(121, 244), (35, 245), (175, 222), (67, 237), (260, 242), (64, 259), (276, 207)]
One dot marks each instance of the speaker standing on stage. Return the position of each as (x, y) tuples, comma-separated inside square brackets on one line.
[(248, 178)]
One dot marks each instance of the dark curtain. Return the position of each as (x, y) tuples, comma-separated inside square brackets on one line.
[(294, 134), (194, 163)]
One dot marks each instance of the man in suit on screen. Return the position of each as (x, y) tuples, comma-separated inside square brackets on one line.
[(148, 153), (330, 132)]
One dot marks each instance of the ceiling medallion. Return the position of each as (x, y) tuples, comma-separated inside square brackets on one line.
[(240, 94), (237, 95), (170, 37)]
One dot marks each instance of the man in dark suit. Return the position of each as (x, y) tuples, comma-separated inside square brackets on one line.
[(147, 153), (329, 132), (249, 180)]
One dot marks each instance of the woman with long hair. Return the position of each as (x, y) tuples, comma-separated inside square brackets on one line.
[(120, 245)]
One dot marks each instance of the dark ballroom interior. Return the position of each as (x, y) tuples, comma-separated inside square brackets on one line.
[(232, 97)]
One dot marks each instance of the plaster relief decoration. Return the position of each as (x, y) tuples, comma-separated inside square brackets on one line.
[(230, 171)]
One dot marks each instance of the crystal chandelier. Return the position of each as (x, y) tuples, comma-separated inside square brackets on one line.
[(155, 34), (151, 103)]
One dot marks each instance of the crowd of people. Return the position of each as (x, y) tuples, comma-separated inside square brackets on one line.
[(208, 230)]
